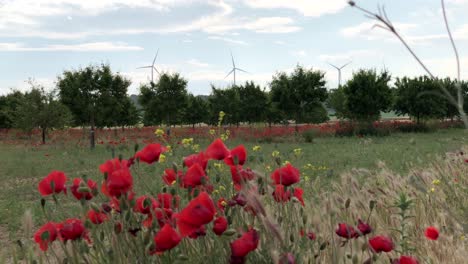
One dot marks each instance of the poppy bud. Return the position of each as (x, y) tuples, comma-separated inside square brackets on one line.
[(372, 204), (173, 191), (43, 203), (229, 232), (348, 202)]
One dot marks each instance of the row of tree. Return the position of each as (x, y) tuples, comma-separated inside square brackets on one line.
[(96, 97)]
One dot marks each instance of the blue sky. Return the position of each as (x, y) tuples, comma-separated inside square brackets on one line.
[(41, 38)]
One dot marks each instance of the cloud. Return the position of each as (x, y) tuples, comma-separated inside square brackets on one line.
[(92, 46), (350, 55), (229, 40), (197, 63), (310, 8), (299, 53)]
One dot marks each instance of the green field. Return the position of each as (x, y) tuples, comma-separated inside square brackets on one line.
[(22, 167)]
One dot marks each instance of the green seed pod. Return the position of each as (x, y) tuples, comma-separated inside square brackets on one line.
[(43, 203), (182, 257), (323, 245), (173, 191), (84, 190), (348, 202), (229, 232), (372, 204)]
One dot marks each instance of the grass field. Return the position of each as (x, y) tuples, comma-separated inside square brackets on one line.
[(22, 167)]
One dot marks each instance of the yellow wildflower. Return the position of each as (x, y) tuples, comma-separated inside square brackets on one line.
[(275, 153), (436, 182), (162, 158), (432, 189), (223, 203), (159, 132), (196, 148), (286, 162), (222, 188), (256, 148), (297, 152), (212, 131)]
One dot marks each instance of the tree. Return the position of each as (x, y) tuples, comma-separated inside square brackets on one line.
[(95, 96), (298, 94), (337, 101), (8, 106), (254, 102), (418, 98), (367, 94), (226, 100), (197, 110), (41, 110)]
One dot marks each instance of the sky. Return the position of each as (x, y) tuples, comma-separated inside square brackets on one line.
[(39, 39)]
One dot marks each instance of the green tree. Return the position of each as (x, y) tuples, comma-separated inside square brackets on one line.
[(254, 102), (95, 96), (8, 106), (197, 110), (417, 97), (367, 94), (41, 110), (337, 101), (165, 100), (226, 100), (298, 94)]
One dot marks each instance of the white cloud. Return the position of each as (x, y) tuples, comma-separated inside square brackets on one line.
[(312, 8), (350, 55), (272, 25), (92, 46), (197, 63), (229, 40), (299, 53)]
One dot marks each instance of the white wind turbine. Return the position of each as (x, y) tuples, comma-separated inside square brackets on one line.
[(152, 67), (339, 71), (234, 69)]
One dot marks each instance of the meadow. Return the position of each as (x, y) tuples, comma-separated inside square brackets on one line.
[(332, 169)]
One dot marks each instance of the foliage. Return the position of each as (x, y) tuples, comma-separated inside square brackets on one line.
[(8, 107), (298, 94), (225, 100), (197, 110), (367, 94), (253, 102), (337, 100), (418, 98)]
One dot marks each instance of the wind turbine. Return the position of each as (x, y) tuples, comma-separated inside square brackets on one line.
[(152, 67), (339, 71), (234, 69)]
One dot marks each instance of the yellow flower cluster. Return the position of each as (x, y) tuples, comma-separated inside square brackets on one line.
[(286, 162), (256, 148), (220, 118), (159, 132), (309, 166), (196, 147), (187, 142), (297, 152), (162, 158), (212, 131), (436, 182), (275, 153)]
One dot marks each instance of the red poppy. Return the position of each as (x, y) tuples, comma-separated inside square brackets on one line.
[(112, 165), (238, 199), (381, 244), (221, 204), (240, 175), (238, 154), (46, 235), (194, 175), (196, 158), (71, 229), (364, 228), (119, 182), (432, 233), (163, 216), (170, 176), (144, 204), (198, 212), (220, 225), (298, 192), (286, 175), (346, 231), (88, 194), (150, 153), (198, 233), (244, 245), (166, 239), (217, 150), (96, 217), (53, 183), (405, 260), (280, 195), (167, 201)]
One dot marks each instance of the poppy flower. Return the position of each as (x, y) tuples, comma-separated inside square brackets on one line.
[(150, 153), (112, 165), (198, 212), (167, 201), (88, 194), (53, 183), (221, 204), (144, 204), (220, 225), (194, 175), (381, 244), (71, 229), (405, 260), (170, 176), (240, 175), (196, 158), (286, 175), (166, 239), (432, 233), (238, 154), (244, 245), (46, 235), (298, 192), (346, 231), (96, 217), (280, 195), (217, 150), (198, 233), (119, 182), (238, 199), (364, 228)]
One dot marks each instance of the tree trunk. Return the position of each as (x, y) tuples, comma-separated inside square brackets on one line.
[(193, 126), (43, 135), (92, 142)]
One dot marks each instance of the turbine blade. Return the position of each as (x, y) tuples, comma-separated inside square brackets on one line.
[(229, 73), (156, 70), (144, 67), (333, 66), (233, 64), (345, 65), (242, 70), (155, 57)]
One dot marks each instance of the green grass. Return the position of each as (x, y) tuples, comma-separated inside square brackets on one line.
[(22, 167)]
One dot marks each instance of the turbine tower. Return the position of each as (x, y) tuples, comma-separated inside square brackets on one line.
[(339, 71), (234, 69), (152, 67)]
